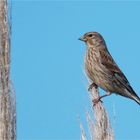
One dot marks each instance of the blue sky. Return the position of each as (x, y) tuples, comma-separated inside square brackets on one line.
[(47, 65)]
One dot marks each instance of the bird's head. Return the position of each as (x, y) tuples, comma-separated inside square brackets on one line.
[(92, 38)]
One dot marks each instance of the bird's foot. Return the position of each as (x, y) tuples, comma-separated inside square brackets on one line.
[(91, 86), (95, 101)]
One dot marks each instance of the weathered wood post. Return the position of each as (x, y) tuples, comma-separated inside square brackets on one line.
[(99, 127), (7, 96)]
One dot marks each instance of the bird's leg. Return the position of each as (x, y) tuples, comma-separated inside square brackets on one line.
[(91, 86), (95, 101)]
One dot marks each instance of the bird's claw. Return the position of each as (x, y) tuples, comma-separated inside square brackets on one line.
[(95, 101), (91, 86)]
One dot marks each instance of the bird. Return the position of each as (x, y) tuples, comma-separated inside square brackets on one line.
[(102, 70)]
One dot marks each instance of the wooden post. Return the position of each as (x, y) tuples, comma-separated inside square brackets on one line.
[(99, 125), (7, 97)]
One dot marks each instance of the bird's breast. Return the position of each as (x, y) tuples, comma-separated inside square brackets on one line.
[(91, 63), (95, 70)]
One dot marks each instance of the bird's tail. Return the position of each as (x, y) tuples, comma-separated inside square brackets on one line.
[(136, 98), (132, 94)]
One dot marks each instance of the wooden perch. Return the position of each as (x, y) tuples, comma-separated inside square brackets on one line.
[(101, 126), (7, 96)]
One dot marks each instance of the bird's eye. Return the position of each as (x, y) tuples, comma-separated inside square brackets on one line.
[(90, 35)]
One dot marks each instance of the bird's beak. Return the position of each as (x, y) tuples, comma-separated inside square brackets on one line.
[(82, 38)]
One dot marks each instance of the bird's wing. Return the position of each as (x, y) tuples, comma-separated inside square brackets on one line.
[(110, 64)]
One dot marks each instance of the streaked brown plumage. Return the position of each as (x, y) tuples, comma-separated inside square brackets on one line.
[(102, 69)]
